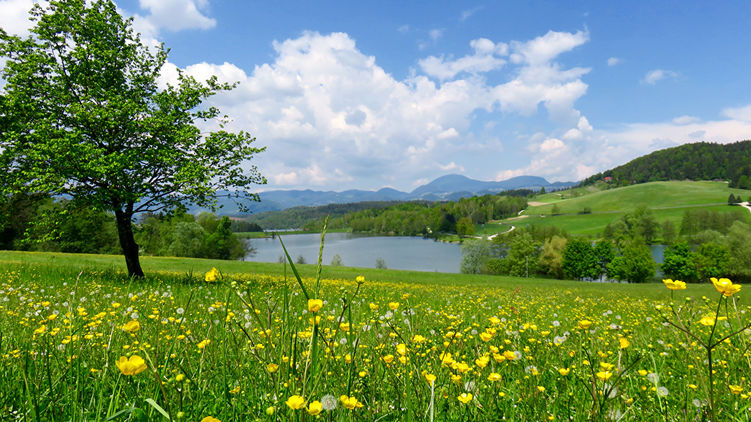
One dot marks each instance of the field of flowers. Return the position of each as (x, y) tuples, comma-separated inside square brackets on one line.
[(93, 345)]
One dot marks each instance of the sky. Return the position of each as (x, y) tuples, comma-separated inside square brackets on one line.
[(372, 94)]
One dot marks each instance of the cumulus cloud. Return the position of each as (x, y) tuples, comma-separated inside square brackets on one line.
[(466, 14), (656, 75), (176, 15), (14, 18), (435, 33), (738, 113), (486, 57)]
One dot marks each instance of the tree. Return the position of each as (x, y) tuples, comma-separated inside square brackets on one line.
[(635, 264), (475, 253), (465, 227), (84, 117), (579, 261), (677, 263), (551, 256)]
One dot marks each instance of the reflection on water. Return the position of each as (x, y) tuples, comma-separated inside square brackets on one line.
[(397, 252)]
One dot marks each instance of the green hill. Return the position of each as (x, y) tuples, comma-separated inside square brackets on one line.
[(587, 210)]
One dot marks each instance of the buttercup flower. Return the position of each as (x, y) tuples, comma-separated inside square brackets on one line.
[(315, 408), (132, 326), (211, 275), (465, 397), (584, 324), (725, 286), (131, 366), (430, 378), (210, 419), (314, 305), (295, 402), (349, 402), (674, 285)]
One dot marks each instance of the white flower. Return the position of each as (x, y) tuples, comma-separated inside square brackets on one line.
[(662, 391), (328, 402)]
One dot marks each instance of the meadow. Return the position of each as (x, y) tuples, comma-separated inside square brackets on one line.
[(80, 341)]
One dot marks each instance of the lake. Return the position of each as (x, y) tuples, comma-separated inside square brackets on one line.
[(356, 250)]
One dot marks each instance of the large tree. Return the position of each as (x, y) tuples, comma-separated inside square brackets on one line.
[(82, 115)]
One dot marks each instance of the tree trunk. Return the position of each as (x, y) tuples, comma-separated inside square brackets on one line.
[(128, 243)]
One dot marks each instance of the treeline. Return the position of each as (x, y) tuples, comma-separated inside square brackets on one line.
[(39, 223), (697, 161), (298, 217), (706, 244), (431, 219)]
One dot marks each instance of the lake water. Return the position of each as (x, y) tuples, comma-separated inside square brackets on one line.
[(398, 252), (356, 250)]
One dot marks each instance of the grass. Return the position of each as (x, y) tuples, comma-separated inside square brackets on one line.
[(250, 346), (667, 200)]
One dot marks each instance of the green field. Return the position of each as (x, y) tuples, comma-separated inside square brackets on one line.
[(80, 341), (667, 200)]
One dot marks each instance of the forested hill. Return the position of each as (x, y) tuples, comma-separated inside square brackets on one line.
[(698, 161)]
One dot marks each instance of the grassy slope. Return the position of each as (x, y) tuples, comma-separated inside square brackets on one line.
[(60, 265), (668, 200)]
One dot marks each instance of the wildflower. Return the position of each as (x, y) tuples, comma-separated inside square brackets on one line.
[(584, 324), (725, 286), (604, 375), (663, 391), (430, 378), (674, 285), (465, 397), (373, 306), (388, 358), (179, 377), (272, 367), (210, 419), (540, 388), (623, 342), (203, 344), (494, 376), (735, 389), (295, 402), (270, 410), (131, 366), (418, 339), (235, 390), (360, 279), (328, 402), (564, 371), (393, 305), (486, 336), (132, 326), (710, 320), (349, 402), (314, 305), (315, 408), (211, 275)]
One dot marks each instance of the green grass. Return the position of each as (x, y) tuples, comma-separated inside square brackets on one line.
[(242, 347), (667, 200)]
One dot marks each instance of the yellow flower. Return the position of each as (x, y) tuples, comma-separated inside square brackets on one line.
[(272, 367), (584, 324), (360, 279), (564, 371), (494, 376), (393, 305), (540, 388), (430, 378), (604, 375), (725, 286), (133, 366), (465, 397), (315, 408), (735, 389), (674, 285), (203, 344), (314, 305), (179, 377), (486, 336), (211, 275), (132, 326), (270, 410), (210, 419), (388, 358), (373, 307), (295, 402), (349, 402), (418, 339), (41, 330), (623, 342), (235, 390), (710, 320)]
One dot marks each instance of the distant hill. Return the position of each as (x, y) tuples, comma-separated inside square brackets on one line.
[(445, 188), (697, 161)]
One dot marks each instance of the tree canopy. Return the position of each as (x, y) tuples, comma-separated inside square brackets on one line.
[(82, 115)]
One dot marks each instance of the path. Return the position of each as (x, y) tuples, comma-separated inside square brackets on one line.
[(745, 205)]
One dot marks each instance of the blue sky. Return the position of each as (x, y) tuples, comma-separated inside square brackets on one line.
[(356, 94)]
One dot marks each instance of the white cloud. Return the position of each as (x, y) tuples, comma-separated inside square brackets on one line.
[(14, 18), (612, 61), (466, 14), (175, 15), (684, 120), (484, 59), (738, 113), (452, 166), (656, 75), (552, 144), (435, 33)]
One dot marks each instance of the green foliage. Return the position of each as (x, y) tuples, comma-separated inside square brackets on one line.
[(697, 161), (639, 223), (579, 260), (712, 260), (87, 119), (465, 227), (678, 263), (551, 257), (635, 264), (696, 221), (475, 253), (336, 260), (245, 226), (206, 236)]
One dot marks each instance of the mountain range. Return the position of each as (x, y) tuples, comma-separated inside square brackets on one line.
[(445, 188)]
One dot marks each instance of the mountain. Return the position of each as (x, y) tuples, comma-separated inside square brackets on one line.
[(451, 187)]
